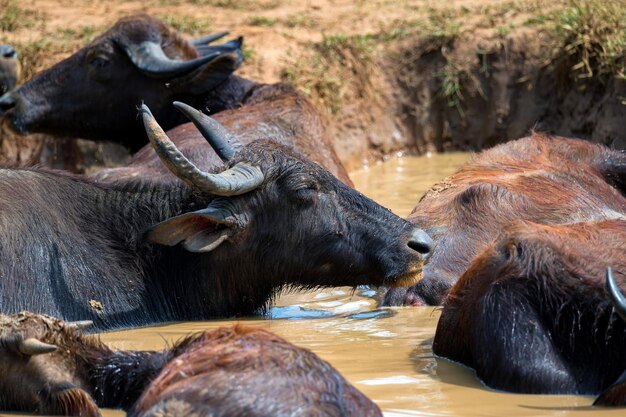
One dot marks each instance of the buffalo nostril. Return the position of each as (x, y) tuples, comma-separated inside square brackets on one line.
[(7, 102), (8, 52), (420, 242)]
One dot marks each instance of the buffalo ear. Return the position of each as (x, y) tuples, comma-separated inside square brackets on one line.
[(198, 231), (214, 72)]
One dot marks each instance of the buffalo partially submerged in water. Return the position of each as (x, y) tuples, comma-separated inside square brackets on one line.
[(9, 68), (49, 367), (277, 111), (541, 179), (93, 93), (532, 315), (221, 244)]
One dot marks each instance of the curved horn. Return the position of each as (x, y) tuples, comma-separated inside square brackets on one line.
[(79, 325), (240, 179), (224, 143), (208, 38), (617, 298), (150, 59), (33, 347)]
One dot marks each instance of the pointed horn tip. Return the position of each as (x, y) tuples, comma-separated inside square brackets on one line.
[(186, 109), (34, 346), (145, 112), (79, 325)]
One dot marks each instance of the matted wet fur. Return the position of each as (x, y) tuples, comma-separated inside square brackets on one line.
[(532, 315), (232, 371), (542, 179)]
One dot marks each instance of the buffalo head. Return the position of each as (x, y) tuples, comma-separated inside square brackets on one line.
[(39, 375), (9, 68), (279, 216), (93, 93)]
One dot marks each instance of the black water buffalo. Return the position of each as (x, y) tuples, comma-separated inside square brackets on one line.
[(542, 179), (49, 367), (93, 93), (221, 244), (531, 314), (9, 68)]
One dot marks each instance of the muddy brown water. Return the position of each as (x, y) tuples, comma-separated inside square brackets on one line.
[(386, 353)]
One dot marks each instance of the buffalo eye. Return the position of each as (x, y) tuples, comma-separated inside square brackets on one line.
[(99, 62), (305, 191)]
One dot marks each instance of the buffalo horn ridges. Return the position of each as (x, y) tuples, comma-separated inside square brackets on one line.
[(224, 143), (208, 38), (150, 59), (240, 179), (617, 298), (33, 347)]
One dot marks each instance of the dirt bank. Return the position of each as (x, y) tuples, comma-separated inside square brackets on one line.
[(389, 76)]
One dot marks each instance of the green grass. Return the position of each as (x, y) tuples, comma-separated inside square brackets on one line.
[(13, 17), (299, 21), (451, 87), (261, 21), (592, 33)]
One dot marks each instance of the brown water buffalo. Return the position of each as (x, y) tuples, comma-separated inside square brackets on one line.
[(219, 244), (542, 179), (531, 314), (9, 68), (93, 93), (277, 111), (49, 367)]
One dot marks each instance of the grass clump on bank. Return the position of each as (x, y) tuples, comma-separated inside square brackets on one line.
[(592, 34), (13, 17), (337, 61)]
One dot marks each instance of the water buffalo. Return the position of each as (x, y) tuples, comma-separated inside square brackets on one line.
[(251, 372), (9, 68), (93, 93), (277, 111), (531, 314), (49, 367), (542, 179), (219, 244)]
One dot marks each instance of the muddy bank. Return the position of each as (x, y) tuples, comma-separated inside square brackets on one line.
[(468, 93), (411, 90)]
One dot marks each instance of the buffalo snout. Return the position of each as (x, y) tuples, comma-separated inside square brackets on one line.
[(7, 102), (420, 242)]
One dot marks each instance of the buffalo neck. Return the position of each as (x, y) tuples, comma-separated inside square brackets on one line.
[(176, 284), (118, 378)]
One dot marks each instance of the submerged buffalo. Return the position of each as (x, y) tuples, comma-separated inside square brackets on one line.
[(277, 111), (93, 93), (9, 68), (541, 179), (532, 314), (220, 244), (49, 367)]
